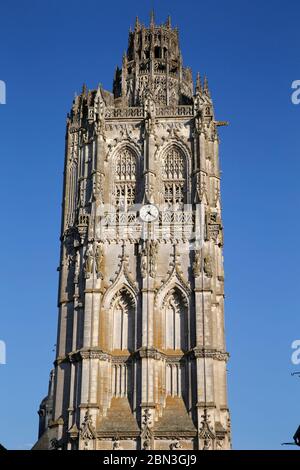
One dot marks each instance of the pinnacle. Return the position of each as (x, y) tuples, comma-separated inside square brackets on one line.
[(152, 18), (198, 83)]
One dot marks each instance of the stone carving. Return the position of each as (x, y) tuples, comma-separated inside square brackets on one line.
[(149, 258), (147, 444), (132, 112), (144, 263), (150, 111), (201, 190), (82, 227), (99, 260), (214, 228), (212, 353), (220, 444), (99, 111), (146, 417), (146, 435), (87, 430), (149, 189), (55, 444), (175, 445), (89, 261), (149, 105), (197, 263), (98, 186), (153, 251), (205, 433), (216, 196), (74, 432), (116, 444), (77, 267), (208, 266)]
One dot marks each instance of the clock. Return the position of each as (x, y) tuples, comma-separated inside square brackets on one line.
[(149, 213)]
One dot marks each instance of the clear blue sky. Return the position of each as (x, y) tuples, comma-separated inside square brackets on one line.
[(249, 51)]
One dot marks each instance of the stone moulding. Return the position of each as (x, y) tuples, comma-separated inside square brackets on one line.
[(139, 112), (77, 356)]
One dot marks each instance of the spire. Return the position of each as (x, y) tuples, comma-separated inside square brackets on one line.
[(152, 19), (206, 89), (168, 22), (137, 23), (198, 83), (84, 89)]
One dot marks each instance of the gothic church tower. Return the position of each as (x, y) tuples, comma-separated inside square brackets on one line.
[(141, 356)]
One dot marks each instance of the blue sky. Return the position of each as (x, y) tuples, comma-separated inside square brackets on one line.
[(248, 51)]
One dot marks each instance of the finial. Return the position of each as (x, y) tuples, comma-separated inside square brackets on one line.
[(137, 23), (152, 19), (206, 89), (198, 83), (168, 22), (84, 89)]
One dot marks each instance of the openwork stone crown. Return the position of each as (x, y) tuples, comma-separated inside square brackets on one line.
[(153, 63)]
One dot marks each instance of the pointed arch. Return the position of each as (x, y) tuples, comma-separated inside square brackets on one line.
[(125, 177), (123, 320), (175, 279), (175, 320), (175, 170), (122, 280), (118, 300)]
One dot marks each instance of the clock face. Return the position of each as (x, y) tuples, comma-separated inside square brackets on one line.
[(149, 213)]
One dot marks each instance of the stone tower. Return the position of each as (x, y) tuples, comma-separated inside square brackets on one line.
[(141, 356)]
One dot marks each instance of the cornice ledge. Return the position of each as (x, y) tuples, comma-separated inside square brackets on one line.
[(211, 354)]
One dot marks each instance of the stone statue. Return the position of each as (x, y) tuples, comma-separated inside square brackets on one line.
[(153, 251), (98, 260), (150, 112), (208, 266), (146, 445), (144, 263), (116, 445), (175, 445), (77, 267), (89, 261), (197, 263)]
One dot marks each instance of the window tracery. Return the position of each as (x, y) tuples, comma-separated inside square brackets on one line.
[(175, 322), (125, 179), (174, 175), (123, 322)]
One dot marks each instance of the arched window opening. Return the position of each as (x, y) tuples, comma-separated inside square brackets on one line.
[(123, 322), (157, 52), (125, 180), (175, 322), (174, 177)]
